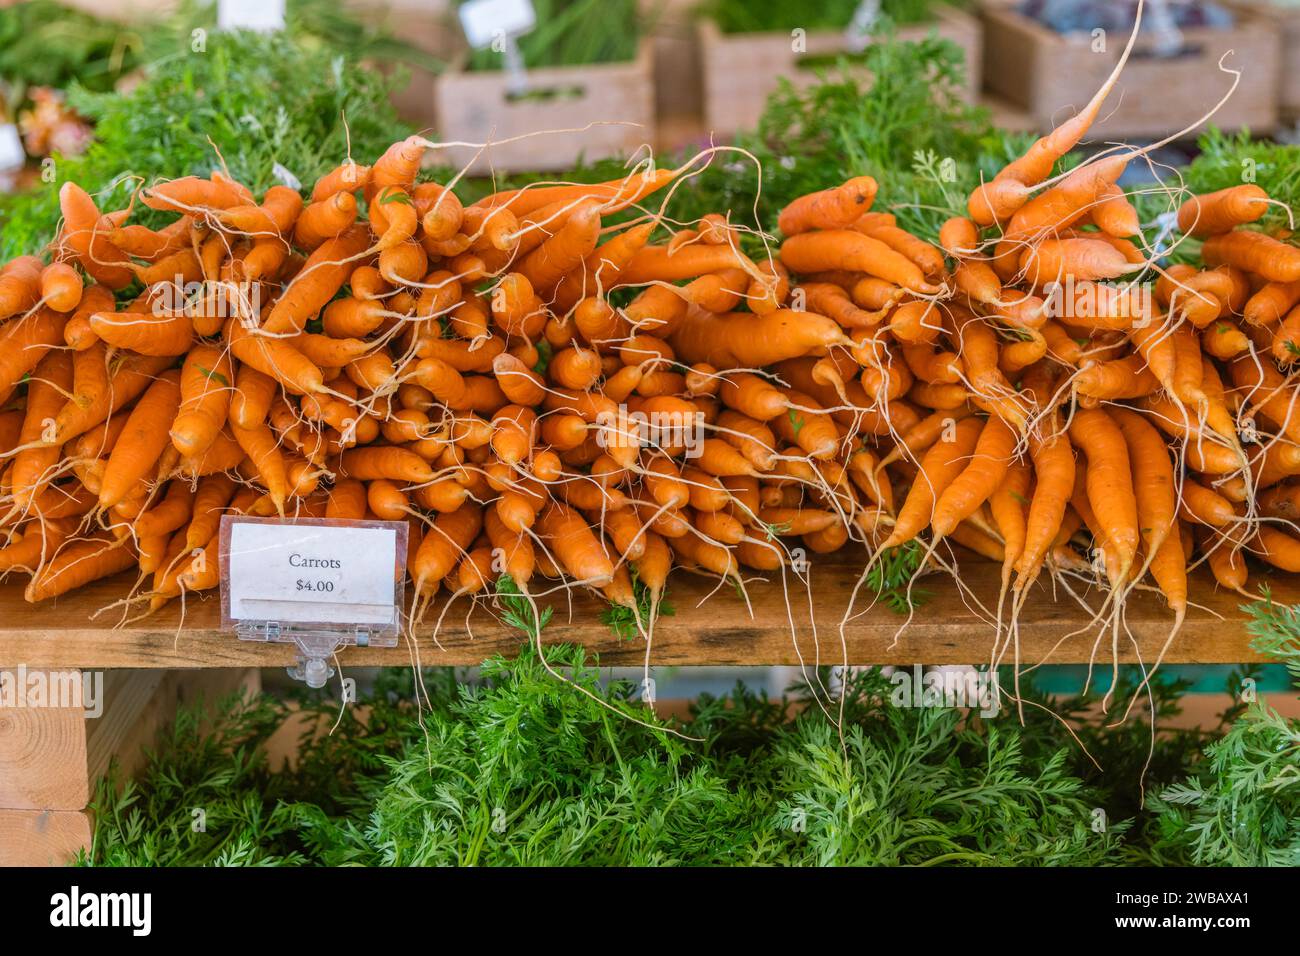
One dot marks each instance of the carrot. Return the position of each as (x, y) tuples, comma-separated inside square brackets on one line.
[(600, 271), (1278, 548), (85, 234), (1054, 472), (20, 285), (576, 548), (1224, 558), (347, 177), (615, 194), (824, 298), (77, 563), (940, 466), (324, 273), (275, 358), (994, 202), (392, 217), (747, 340), (546, 265), (381, 461), (1053, 260), (181, 195), (104, 393), (1128, 377), (250, 401), (445, 544), (24, 342), (845, 249), (833, 208), (516, 308), (1109, 482), (978, 481), (1222, 211), (1253, 252), (145, 243), (145, 333), (926, 256), (1114, 214), (143, 439), (172, 512), (1271, 302), (61, 287), (34, 466)]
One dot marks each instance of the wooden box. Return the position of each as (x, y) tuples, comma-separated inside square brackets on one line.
[(742, 69), (1051, 75), (605, 109), (1284, 20)]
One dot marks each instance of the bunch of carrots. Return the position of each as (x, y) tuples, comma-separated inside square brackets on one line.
[(485, 373)]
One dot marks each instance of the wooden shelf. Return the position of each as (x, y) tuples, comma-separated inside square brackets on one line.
[(720, 631)]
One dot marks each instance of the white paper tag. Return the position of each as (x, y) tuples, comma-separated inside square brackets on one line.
[(264, 15), (11, 147), (486, 20), (334, 574)]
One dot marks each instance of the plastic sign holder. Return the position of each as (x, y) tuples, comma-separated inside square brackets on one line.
[(317, 583)]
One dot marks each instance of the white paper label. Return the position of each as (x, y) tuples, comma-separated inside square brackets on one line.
[(307, 573), (486, 20), (11, 147), (264, 15)]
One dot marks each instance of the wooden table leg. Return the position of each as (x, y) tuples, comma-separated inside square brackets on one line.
[(60, 730)]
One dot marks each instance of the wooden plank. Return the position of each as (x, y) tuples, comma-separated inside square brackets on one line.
[(718, 630), (42, 837), (43, 752)]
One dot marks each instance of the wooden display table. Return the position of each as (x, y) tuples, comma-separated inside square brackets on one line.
[(50, 756)]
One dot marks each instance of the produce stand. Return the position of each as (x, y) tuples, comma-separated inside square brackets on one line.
[(742, 69)]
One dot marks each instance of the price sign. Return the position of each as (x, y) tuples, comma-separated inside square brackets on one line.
[(264, 15), (312, 571), (487, 20)]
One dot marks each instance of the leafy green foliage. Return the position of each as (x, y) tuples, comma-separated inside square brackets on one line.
[(627, 623), (1242, 807), (43, 43), (891, 577), (521, 768), (252, 100), (518, 611)]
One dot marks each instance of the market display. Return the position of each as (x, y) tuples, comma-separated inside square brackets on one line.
[(560, 382)]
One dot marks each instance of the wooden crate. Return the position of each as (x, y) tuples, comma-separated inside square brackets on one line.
[(51, 757), (608, 107), (742, 69), (1284, 20), (1051, 75)]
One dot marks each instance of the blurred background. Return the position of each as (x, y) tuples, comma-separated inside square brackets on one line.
[(659, 73)]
